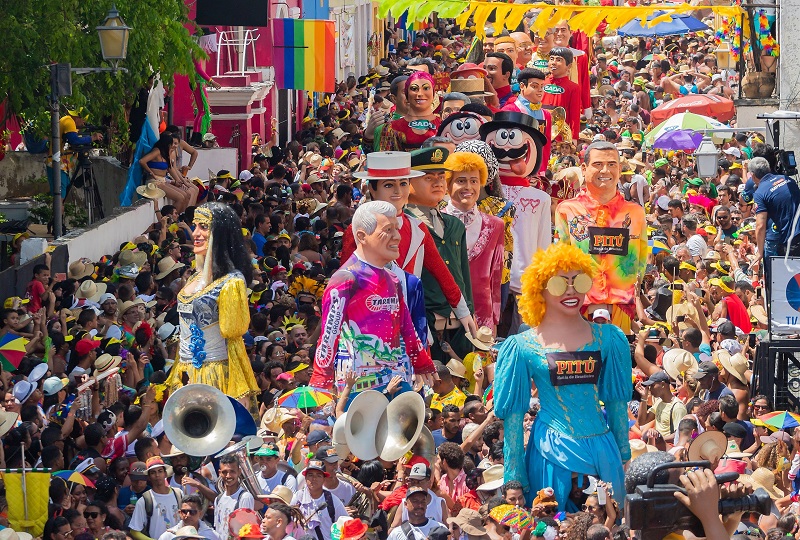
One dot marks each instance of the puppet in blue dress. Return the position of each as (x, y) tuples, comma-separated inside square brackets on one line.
[(575, 365)]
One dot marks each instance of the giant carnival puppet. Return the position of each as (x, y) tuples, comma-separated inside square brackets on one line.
[(517, 142), (610, 229), (366, 325), (388, 177), (419, 123), (575, 366), (213, 308)]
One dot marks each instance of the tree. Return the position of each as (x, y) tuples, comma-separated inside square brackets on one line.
[(37, 33)]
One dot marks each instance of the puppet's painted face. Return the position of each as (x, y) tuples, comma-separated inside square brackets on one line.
[(420, 96), (515, 149), (462, 127)]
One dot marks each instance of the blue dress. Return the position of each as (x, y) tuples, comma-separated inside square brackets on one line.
[(570, 433)]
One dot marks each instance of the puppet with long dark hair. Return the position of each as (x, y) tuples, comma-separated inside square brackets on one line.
[(213, 308)]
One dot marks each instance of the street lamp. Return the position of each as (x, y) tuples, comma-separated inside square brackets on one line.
[(706, 158), (113, 35), (724, 57)]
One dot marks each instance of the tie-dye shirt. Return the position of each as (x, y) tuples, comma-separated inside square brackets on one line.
[(579, 221), (366, 327)]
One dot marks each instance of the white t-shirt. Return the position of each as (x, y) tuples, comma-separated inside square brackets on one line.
[(421, 532), (269, 484), (345, 490), (225, 505), (165, 514), (434, 510), (322, 518), (203, 530)]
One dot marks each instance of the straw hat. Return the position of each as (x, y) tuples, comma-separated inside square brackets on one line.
[(456, 368), (80, 269), (677, 361), (275, 417), (106, 362), (129, 257), (7, 421), (764, 478), (167, 265), (639, 447), (710, 445), (483, 340), (759, 314), (492, 478), (736, 365), (129, 305), (91, 291), (151, 191), (469, 521), (281, 493)]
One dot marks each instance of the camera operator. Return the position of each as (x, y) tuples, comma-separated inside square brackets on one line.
[(777, 199), (69, 126), (702, 493)]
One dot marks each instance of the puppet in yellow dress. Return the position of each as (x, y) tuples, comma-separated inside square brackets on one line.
[(213, 308)]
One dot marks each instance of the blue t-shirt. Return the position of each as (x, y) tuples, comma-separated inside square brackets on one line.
[(260, 242), (439, 438), (779, 197)]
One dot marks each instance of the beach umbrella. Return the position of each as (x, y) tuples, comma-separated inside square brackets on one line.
[(12, 349), (781, 419), (651, 57), (680, 23), (718, 107), (304, 397), (75, 477), (657, 246), (689, 121), (681, 139)]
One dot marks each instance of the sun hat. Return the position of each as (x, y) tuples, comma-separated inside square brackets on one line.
[(765, 478), (456, 368), (709, 445), (129, 257), (678, 361), (492, 478), (8, 420), (167, 265), (80, 269), (483, 340), (187, 532), (151, 191), (106, 362), (89, 290), (639, 447), (469, 521)]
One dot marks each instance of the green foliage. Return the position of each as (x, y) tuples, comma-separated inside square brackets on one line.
[(41, 211), (40, 32)]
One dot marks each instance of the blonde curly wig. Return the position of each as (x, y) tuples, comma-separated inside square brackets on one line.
[(544, 265), (466, 161)]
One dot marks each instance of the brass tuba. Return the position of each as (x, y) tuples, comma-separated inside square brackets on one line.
[(248, 476), (362, 502), (425, 446), (199, 420)]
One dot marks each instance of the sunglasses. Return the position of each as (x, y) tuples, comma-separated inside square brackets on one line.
[(557, 285), (188, 512), (92, 515), (589, 508)]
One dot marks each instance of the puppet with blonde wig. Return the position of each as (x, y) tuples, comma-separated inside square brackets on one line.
[(575, 365), (213, 308), (419, 123), (466, 175)]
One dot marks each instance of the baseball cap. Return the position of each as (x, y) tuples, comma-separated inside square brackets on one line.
[(267, 451), (107, 419), (317, 436), (315, 465), (154, 463), (9, 303), (420, 471), (726, 328), (657, 377), (417, 459), (85, 346), (327, 454), (663, 202), (53, 385), (416, 489), (601, 314), (105, 297), (138, 470), (706, 368)]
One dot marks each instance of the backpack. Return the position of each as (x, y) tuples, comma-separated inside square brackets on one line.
[(149, 503), (331, 512), (408, 530)]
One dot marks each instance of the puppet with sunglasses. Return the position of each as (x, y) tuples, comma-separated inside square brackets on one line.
[(575, 365)]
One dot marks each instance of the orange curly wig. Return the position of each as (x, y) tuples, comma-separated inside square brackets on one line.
[(544, 265), (466, 161)]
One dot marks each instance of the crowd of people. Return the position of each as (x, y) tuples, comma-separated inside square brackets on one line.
[(538, 145)]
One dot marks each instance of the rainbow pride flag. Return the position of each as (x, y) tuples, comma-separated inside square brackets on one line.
[(305, 54)]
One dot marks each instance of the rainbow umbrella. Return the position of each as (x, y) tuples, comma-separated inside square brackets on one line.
[(781, 419), (75, 477), (12, 349), (517, 518), (304, 397)]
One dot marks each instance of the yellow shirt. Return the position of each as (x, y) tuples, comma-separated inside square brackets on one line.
[(454, 397)]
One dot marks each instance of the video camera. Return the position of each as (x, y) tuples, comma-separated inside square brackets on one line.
[(655, 512), (786, 162)]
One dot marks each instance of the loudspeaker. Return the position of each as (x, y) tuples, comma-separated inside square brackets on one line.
[(232, 12)]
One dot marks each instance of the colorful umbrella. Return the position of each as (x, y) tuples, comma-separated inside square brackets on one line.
[(304, 397), (681, 139), (781, 419), (75, 477), (651, 57), (12, 349), (687, 121), (673, 25), (718, 107)]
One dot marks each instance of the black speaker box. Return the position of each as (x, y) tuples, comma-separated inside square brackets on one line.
[(232, 12)]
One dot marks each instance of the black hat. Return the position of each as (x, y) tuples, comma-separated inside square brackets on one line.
[(429, 159), (733, 429), (661, 304), (706, 368), (511, 119), (657, 377)]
